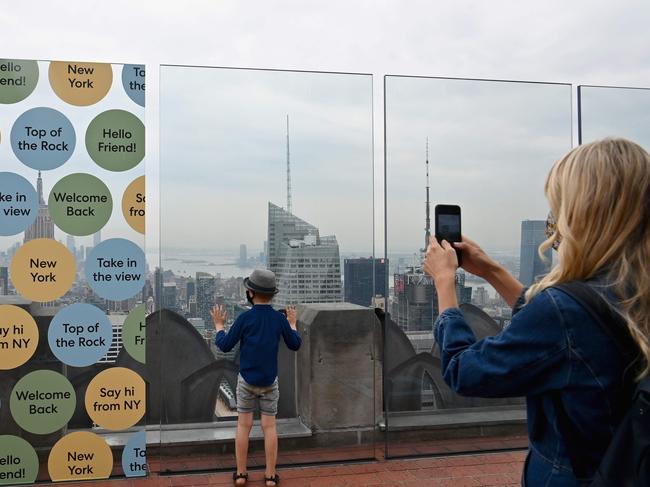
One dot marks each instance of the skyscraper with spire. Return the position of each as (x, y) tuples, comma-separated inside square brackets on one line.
[(43, 226), (307, 265), (415, 304)]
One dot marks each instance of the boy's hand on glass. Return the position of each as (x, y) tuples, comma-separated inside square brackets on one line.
[(219, 316), (292, 316)]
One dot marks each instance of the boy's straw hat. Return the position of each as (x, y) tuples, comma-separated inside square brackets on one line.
[(261, 281)]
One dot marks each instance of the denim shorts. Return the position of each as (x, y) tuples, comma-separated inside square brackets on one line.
[(248, 396)]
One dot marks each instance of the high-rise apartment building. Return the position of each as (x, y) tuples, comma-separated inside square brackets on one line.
[(531, 265)]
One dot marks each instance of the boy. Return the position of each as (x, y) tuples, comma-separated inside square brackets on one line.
[(259, 331)]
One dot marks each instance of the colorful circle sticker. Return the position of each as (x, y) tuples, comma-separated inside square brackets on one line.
[(42, 402), (43, 138), (115, 140), (133, 82), (18, 203), (18, 336), (115, 269), (134, 334), (81, 455), (133, 204), (80, 204), (18, 78), (80, 335), (18, 461), (115, 398), (80, 84), (43, 270), (134, 455)]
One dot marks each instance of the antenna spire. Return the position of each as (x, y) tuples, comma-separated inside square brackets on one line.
[(427, 228), (289, 206)]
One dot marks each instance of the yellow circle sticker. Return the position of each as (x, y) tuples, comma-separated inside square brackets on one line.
[(80, 84), (80, 456), (18, 336), (43, 270), (133, 204), (115, 398)]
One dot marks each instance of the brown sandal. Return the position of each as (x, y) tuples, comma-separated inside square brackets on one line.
[(236, 476)]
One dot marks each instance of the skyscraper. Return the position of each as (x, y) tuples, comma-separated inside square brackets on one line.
[(97, 238), (43, 226), (416, 304), (4, 280), (206, 290), (307, 266), (358, 278), (531, 265)]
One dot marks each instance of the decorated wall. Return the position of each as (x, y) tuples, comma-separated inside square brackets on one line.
[(72, 270)]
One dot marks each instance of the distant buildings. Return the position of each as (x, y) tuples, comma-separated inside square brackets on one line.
[(358, 280), (531, 265), (43, 226), (307, 266)]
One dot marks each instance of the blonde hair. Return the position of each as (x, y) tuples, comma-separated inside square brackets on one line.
[(599, 194)]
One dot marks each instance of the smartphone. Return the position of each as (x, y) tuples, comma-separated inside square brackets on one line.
[(447, 219), (283, 311)]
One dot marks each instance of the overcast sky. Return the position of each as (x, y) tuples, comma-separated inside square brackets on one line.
[(580, 42)]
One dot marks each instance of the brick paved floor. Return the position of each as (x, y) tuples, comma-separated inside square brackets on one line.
[(494, 469)]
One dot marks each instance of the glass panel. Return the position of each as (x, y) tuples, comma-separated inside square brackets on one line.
[(614, 112), (266, 169), (487, 146), (72, 270)]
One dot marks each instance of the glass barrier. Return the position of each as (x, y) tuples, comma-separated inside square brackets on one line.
[(614, 112), (486, 146), (73, 387), (273, 170)]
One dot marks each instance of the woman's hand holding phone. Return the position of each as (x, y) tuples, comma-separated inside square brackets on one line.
[(475, 260)]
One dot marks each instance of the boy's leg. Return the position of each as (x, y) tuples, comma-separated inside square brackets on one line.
[(244, 425), (269, 409), (270, 444)]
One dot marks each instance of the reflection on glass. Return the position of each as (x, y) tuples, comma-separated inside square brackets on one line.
[(487, 147), (614, 112), (259, 169)]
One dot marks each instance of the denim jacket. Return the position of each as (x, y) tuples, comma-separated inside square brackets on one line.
[(556, 355)]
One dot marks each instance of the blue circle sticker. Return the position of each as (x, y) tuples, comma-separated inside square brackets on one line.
[(134, 455), (18, 203), (43, 138), (115, 269), (80, 335), (133, 82)]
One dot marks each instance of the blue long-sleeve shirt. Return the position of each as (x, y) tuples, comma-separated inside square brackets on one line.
[(557, 355), (259, 330)]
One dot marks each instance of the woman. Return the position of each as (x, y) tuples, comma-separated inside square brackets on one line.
[(554, 352)]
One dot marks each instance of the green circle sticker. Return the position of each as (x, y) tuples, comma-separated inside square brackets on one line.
[(18, 461), (115, 140), (42, 402), (134, 334), (18, 78), (80, 204)]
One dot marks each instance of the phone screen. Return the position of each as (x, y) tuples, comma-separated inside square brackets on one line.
[(449, 227)]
